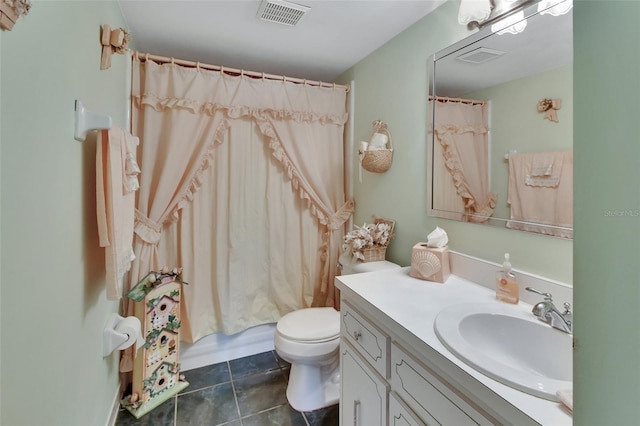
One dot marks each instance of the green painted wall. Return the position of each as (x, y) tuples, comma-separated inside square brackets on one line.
[(391, 85), (607, 205), (53, 305)]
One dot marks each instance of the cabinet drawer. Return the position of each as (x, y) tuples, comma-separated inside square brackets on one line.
[(368, 340), (401, 415), (426, 395)]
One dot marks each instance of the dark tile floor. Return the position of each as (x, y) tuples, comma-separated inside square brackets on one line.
[(247, 391)]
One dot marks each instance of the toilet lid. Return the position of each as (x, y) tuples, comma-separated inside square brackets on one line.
[(310, 324)]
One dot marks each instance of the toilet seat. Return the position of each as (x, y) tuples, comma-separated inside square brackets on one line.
[(310, 325)]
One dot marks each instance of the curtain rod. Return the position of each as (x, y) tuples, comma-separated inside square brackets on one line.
[(146, 56), (457, 100)]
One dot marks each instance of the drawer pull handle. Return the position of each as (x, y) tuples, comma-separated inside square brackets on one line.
[(356, 405), (357, 335)]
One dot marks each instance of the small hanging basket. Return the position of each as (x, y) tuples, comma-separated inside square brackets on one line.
[(378, 160)]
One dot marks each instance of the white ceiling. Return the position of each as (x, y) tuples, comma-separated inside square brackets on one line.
[(330, 38)]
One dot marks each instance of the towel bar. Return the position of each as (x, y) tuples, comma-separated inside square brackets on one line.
[(87, 121)]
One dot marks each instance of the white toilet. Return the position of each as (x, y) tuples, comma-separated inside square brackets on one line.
[(309, 339)]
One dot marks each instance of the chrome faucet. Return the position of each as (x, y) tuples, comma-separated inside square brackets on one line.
[(546, 311)]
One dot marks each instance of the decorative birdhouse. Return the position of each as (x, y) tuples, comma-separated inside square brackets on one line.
[(156, 369)]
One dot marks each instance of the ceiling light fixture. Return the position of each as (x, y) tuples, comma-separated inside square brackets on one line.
[(513, 24), (554, 7), (516, 23)]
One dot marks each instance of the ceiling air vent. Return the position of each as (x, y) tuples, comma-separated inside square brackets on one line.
[(281, 12), (480, 55)]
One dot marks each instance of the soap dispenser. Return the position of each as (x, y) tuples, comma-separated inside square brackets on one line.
[(507, 289)]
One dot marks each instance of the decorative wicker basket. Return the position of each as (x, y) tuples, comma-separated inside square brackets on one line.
[(374, 254), (378, 160), (378, 253)]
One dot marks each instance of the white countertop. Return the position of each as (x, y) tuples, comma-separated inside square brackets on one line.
[(414, 304)]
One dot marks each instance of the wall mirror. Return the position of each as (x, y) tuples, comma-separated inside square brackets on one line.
[(501, 126)]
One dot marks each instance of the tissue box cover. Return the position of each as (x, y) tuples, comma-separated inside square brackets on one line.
[(430, 263)]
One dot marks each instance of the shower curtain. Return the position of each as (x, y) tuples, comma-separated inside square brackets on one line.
[(461, 130), (242, 185)]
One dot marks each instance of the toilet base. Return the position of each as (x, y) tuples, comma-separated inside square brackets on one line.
[(313, 387)]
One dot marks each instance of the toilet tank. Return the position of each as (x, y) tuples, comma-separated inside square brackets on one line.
[(361, 267)]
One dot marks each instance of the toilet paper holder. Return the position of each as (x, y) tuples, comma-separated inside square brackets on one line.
[(120, 333)]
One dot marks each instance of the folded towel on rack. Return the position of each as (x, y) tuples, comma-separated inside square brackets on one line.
[(542, 164), (473, 10), (131, 170), (544, 169), (116, 182), (545, 207)]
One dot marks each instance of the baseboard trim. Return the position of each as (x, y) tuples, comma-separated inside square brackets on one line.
[(219, 347), (115, 407)]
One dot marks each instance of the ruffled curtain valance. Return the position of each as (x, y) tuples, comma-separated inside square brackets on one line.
[(170, 85), (235, 111)]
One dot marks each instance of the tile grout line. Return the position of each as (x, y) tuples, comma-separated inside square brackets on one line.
[(175, 411), (203, 388), (235, 396)]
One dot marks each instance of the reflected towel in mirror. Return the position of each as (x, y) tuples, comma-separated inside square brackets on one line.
[(549, 206), (542, 164), (543, 169)]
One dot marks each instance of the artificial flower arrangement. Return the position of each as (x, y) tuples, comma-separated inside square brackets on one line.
[(165, 275), (368, 243), (155, 279)]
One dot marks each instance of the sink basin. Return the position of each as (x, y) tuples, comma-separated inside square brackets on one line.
[(510, 345)]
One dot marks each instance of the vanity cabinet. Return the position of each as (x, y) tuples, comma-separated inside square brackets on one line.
[(384, 383), (394, 364), (433, 400), (371, 342), (364, 362), (401, 415), (363, 399)]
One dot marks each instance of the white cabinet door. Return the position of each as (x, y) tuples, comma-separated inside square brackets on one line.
[(364, 393), (426, 395)]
